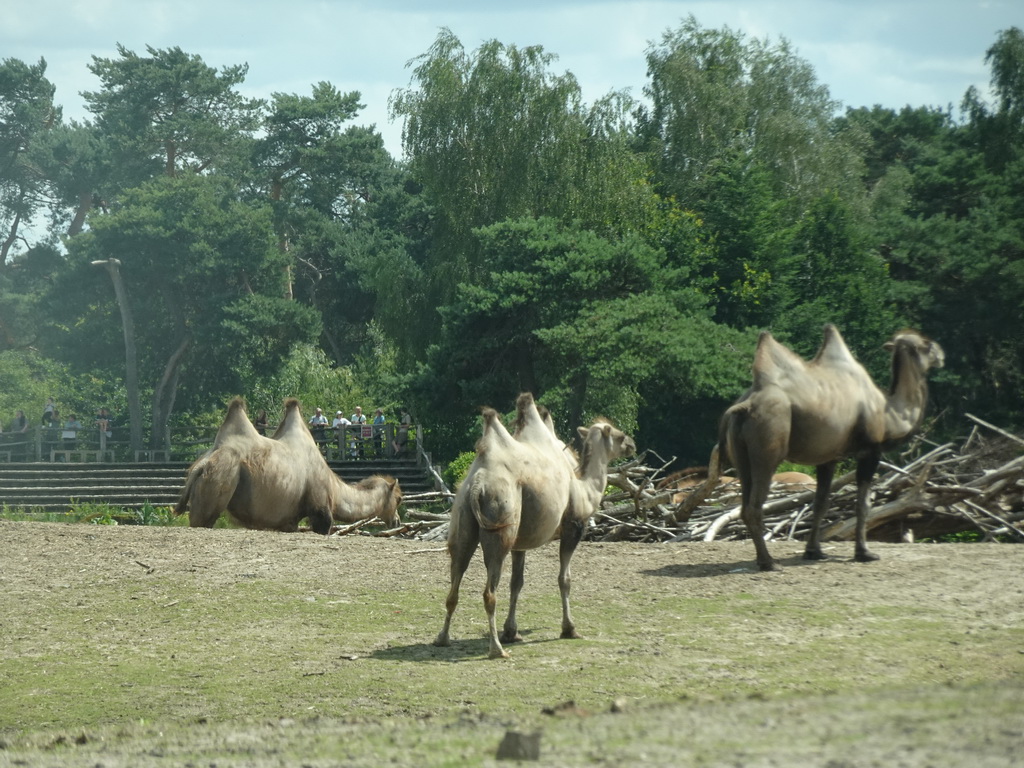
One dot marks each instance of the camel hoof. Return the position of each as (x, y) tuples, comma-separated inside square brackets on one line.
[(815, 554), (771, 565), (498, 653), (442, 641), (865, 556), (571, 634), (513, 637)]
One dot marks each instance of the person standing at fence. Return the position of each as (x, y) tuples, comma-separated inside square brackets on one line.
[(69, 436), (261, 422), (318, 426), (378, 432), (104, 422), (48, 412), (402, 438), (358, 419)]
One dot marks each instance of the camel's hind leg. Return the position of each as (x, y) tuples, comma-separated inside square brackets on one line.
[(510, 634), (210, 495), (866, 467), (572, 535), (824, 473), (462, 545), (495, 546), (754, 485)]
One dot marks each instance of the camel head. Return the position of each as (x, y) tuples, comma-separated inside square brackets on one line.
[(912, 347), (602, 440)]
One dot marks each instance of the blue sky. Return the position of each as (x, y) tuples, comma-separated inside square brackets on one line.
[(888, 52)]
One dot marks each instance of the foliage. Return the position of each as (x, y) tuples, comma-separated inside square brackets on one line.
[(458, 468)]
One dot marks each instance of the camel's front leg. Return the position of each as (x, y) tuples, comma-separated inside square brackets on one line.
[(511, 631), (572, 534), (824, 473), (866, 467)]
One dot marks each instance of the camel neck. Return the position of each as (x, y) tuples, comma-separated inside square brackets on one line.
[(907, 398)]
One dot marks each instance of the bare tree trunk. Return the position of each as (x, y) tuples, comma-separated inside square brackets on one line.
[(84, 206), (131, 373), (164, 395)]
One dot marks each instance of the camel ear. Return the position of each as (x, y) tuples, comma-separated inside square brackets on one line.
[(606, 429), (583, 432), (888, 346)]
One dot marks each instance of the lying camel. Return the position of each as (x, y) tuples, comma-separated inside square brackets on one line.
[(273, 483), (519, 494), (683, 481), (816, 413)]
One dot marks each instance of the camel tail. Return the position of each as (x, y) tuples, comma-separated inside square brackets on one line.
[(186, 493)]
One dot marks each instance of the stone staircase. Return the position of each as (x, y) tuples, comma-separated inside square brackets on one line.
[(56, 486)]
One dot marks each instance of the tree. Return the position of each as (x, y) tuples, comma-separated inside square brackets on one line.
[(713, 94), (495, 135), (170, 112), (205, 282), (27, 112), (581, 321)]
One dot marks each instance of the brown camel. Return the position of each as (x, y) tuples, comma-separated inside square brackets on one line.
[(816, 413), (519, 494), (273, 483), (683, 481)]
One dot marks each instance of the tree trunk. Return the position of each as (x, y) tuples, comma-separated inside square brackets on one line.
[(131, 373), (84, 206), (164, 395)]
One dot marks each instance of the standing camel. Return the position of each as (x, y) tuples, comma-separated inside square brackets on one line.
[(273, 483), (519, 494), (816, 413)]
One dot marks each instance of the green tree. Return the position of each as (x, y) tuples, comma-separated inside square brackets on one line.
[(580, 320), (205, 282), (713, 94), (170, 112), (495, 135), (27, 112)]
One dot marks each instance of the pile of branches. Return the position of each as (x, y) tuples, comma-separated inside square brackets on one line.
[(977, 486)]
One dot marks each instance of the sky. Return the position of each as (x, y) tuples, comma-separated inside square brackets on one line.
[(889, 52)]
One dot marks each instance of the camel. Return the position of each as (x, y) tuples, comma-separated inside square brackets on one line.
[(520, 493), (683, 481), (816, 413), (273, 483)]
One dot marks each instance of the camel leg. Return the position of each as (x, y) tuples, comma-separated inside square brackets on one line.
[(825, 473), (511, 630), (754, 490), (866, 467), (572, 534), (460, 550), (495, 548)]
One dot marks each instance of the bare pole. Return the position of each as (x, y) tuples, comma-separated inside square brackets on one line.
[(131, 376)]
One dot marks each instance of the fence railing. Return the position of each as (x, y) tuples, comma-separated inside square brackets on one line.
[(350, 443)]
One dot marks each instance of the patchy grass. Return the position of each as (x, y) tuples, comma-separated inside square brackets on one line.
[(152, 646)]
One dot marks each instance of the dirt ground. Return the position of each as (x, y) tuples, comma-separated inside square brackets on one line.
[(689, 657)]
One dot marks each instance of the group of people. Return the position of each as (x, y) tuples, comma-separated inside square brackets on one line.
[(361, 430), (56, 430)]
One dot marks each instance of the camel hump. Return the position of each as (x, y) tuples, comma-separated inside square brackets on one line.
[(833, 348), (236, 423), (773, 361)]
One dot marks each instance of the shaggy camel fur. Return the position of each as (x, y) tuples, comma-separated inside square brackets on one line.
[(519, 494), (273, 483), (816, 413)]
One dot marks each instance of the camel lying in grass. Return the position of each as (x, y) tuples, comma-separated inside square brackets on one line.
[(520, 493), (273, 483)]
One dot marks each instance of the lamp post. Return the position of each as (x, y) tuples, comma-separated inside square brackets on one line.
[(131, 376)]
